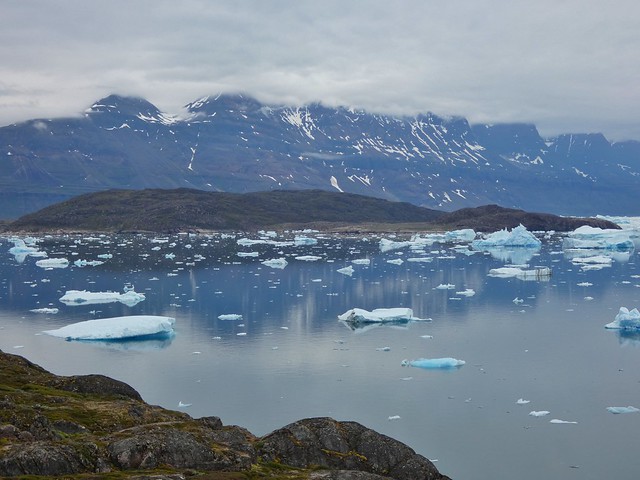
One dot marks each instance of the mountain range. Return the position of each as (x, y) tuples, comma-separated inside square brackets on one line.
[(233, 143)]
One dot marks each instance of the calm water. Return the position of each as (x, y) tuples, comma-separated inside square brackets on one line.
[(289, 357)]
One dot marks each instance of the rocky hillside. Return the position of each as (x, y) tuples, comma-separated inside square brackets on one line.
[(93, 427), (194, 210)]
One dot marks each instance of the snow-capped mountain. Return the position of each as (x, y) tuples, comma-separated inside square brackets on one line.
[(234, 143)]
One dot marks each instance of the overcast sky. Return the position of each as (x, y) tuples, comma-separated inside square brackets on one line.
[(566, 65)]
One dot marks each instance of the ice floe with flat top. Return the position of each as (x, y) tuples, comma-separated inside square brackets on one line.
[(594, 238), (278, 263), (446, 362), (537, 273), (117, 328), (83, 297), (53, 263), (379, 315), (619, 410), (625, 320)]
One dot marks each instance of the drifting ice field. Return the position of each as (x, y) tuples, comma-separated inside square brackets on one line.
[(489, 357)]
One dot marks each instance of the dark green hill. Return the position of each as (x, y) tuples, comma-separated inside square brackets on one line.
[(155, 210)]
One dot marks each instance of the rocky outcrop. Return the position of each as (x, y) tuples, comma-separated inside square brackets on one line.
[(62, 426), (327, 443)]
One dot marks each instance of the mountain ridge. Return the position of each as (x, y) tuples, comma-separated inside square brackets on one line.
[(234, 143)]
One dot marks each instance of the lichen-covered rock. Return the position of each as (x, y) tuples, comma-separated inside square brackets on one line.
[(99, 384), (45, 458), (337, 445)]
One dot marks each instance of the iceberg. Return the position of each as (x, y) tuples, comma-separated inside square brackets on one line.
[(44, 310), (300, 240), (463, 235), (346, 270), (618, 410), (83, 297), (117, 328), (230, 316), (308, 258), (539, 413), (587, 237), (625, 320), (389, 245), (379, 315), (84, 263), (517, 237), (446, 362)]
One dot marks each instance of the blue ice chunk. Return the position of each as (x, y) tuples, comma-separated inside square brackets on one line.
[(446, 362)]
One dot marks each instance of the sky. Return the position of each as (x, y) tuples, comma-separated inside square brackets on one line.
[(568, 66)]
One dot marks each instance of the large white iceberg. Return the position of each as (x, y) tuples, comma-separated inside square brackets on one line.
[(587, 237), (117, 328), (626, 320), (517, 237), (83, 297), (446, 362), (378, 315)]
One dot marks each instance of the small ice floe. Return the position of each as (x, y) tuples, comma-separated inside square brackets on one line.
[(83, 297), (241, 334), (539, 413), (389, 245), (518, 301), (53, 263), (230, 316), (594, 238), (278, 263), (445, 286), (183, 405), (625, 320), (522, 401), (383, 349), (346, 270), (308, 258), (420, 259), (562, 422), (300, 240), (426, 336), (44, 310), (538, 273), (469, 292), (248, 254), (87, 263), (394, 417), (443, 363), (618, 410), (517, 237), (361, 261), (585, 284), (595, 262), (117, 328), (396, 261)]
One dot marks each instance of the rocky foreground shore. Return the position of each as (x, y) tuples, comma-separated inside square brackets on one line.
[(92, 426)]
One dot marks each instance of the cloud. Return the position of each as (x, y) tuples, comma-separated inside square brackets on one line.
[(565, 65)]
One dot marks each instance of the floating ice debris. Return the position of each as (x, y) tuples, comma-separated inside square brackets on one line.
[(241, 334), (117, 328), (539, 413), (53, 263), (170, 256), (394, 417), (21, 250), (230, 316), (522, 401), (378, 315), (383, 349), (538, 273), (44, 310), (308, 258), (517, 237), (83, 297), (279, 263), (105, 255), (595, 262), (625, 320), (445, 286), (420, 259), (517, 301), (346, 270), (248, 254), (618, 410), (463, 235), (426, 336), (446, 362), (584, 284), (183, 405), (555, 420), (587, 237)]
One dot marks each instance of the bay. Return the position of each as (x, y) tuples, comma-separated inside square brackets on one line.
[(288, 357)]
